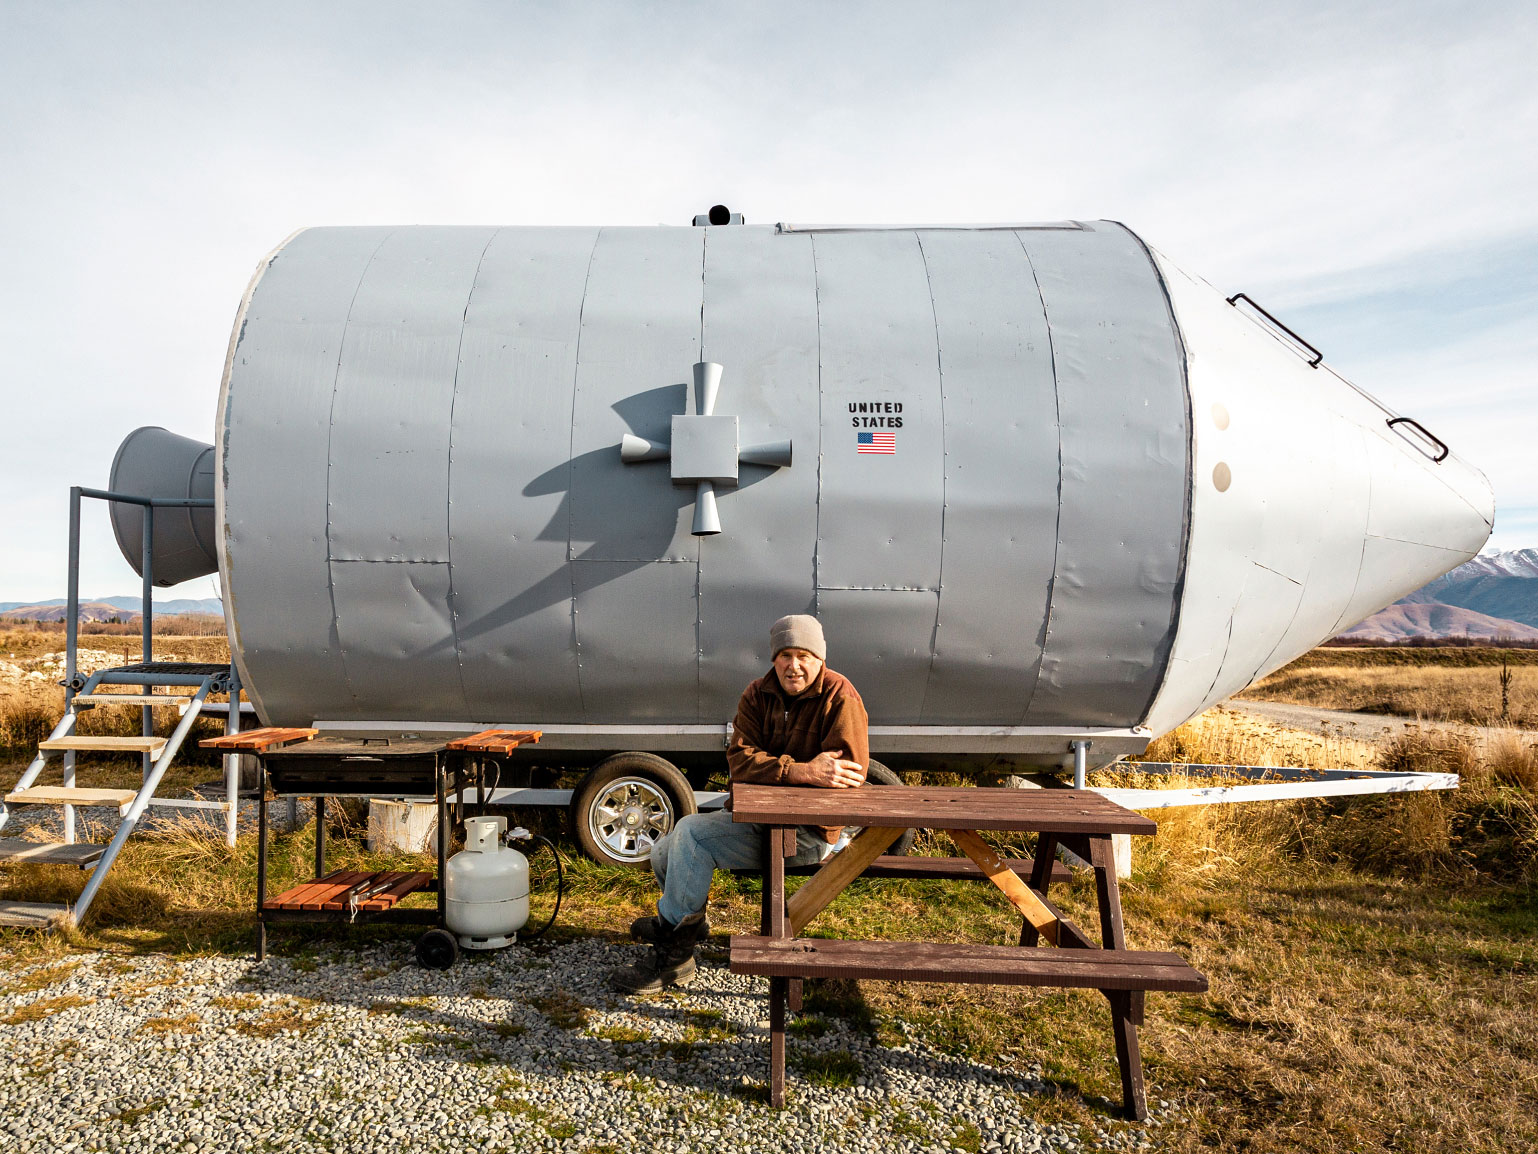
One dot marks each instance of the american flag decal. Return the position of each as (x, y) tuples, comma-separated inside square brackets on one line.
[(875, 443)]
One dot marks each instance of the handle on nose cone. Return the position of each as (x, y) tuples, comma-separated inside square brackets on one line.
[(1442, 449)]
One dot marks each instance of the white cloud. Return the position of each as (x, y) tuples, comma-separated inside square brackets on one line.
[(154, 153)]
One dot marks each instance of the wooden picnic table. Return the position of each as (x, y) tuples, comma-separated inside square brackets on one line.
[(1079, 820)]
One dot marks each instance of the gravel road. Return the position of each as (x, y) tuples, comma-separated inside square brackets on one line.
[(1373, 727), (520, 1049)]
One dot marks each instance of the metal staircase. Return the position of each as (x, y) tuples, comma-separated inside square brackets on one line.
[(191, 684)]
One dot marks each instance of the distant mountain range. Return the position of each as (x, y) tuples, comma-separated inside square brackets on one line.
[(1493, 596), (106, 608)]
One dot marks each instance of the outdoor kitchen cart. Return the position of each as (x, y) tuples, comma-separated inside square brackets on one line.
[(299, 763)]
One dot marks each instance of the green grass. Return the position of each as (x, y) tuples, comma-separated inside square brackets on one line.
[(828, 1068)]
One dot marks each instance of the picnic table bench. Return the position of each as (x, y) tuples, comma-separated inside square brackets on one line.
[(1081, 821)]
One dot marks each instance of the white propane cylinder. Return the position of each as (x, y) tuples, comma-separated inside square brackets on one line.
[(487, 888)]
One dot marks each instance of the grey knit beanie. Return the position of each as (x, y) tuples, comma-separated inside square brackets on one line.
[(798, 631)]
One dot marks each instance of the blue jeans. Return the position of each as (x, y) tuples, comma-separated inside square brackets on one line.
[(686, 859)]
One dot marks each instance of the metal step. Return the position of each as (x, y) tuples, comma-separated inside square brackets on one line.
[(179, 668), (72, 795), (33, 915), (149, 745), (81, 853), (133, 698)]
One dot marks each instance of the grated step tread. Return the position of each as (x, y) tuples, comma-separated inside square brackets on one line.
[(133, 698), (151, 745), (179, 668), (81, 853), (32, 915), (72, 795)]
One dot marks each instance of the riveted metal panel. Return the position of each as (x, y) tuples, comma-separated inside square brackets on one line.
[(273, 443), (879, 514), (639, 344), (879, 639), (1000, 404), (636, 640), (1122, 521), (389, 476), (761, 326), (391, 617), (509, 473)]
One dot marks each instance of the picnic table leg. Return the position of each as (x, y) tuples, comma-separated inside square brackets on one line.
[(1126, 1005), (1041, 877), (781, 845), (320, 837), (777, 992), (261, 864)]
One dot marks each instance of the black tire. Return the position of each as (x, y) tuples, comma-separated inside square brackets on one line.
[(625, 803), (437, 950), (878, 774)]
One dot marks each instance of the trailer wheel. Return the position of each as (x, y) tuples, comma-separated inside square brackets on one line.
[(437, 950), (878, 774), (625, 804)]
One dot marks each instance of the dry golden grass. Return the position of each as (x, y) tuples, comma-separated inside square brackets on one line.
[(44, 1008), (182, 1024), (1461, 693), (289, 1019), (31, 703), (1232, 737), (1513, 761), (40, 978)]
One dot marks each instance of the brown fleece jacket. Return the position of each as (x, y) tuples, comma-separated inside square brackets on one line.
[(775, 735)]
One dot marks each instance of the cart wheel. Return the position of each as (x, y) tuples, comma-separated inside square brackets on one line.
[(625, 804), (437, 950), (878, 774)]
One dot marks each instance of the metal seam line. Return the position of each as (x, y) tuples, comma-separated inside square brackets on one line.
[(571, 449), (448, 481), (341, 348), (817, 525), (1057, 524), (699, 548), (1189, 496), (1361, 561), (934, 634)]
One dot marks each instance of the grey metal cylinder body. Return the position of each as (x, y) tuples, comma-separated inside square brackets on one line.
[(152, 462), (425, 515)]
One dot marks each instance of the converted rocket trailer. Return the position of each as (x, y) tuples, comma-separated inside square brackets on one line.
[(1049, 495)]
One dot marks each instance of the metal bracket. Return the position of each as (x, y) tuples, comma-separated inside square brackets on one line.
[(705, 450)]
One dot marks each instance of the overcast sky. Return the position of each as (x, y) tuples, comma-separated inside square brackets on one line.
[(1368, 171)]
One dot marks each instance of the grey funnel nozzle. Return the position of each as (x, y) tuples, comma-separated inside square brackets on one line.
[(153, 462)]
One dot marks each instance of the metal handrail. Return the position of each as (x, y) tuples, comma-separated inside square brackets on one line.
[(1318, 356), (1425, 432)]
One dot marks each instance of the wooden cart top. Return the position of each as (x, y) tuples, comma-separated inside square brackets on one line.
[(1057, 810), (358, 748)]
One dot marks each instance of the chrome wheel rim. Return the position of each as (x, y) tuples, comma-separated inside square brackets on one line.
[(628, 817)]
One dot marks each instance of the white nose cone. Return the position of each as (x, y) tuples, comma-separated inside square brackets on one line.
[(1311, 506)]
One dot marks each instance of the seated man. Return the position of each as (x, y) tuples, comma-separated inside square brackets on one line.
[(799, 724)]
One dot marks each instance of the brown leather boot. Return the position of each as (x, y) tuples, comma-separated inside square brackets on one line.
[(668, 962), (650, 930)]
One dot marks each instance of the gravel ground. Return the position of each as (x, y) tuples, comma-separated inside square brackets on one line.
[(520, 1049)]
